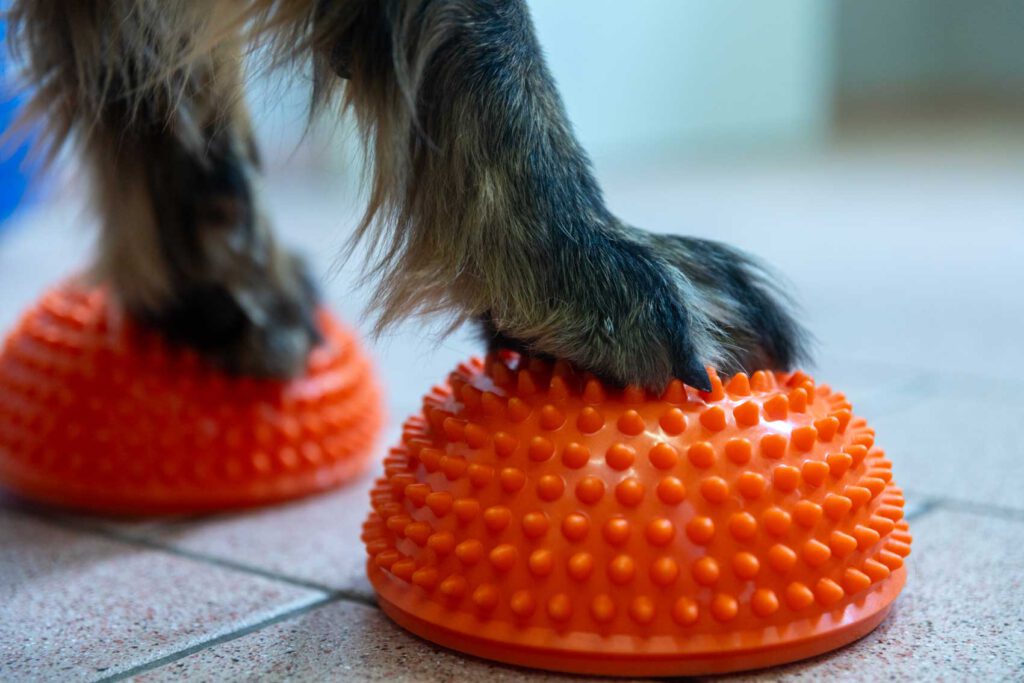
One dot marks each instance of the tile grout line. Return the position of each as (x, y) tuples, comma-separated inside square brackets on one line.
[(223, 638), (983, 509), (930, 503), (925, 506), (127, 539), (331, 595)]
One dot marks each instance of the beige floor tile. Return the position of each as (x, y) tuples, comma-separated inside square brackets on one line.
[(960, 618), (76, 607), (339, 642), (314, 540), (959, 441)]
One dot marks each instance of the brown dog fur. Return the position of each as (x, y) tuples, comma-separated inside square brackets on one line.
[(482, 207)]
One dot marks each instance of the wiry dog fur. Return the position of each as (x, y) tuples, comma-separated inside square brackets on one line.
[(166, 139), (483, 205)]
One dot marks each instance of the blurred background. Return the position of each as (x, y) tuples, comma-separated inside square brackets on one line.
[(872, 151)]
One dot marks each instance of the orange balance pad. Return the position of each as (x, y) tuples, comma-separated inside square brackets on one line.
[(533, 516), (97, 413)]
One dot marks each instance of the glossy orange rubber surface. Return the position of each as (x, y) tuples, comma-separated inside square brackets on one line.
[(533, 516), (96, 413)]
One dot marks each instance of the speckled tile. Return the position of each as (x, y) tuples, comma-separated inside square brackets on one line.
[(339, 642), (960, 618), (960, 440), (949, 622), (77, 607), (119, 527), (313, 540)]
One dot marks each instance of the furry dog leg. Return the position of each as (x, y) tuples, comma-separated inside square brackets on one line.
[(158, 116), (484, 206)]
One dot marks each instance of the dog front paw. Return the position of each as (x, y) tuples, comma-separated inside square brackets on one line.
[(640, 309), (751, 318)]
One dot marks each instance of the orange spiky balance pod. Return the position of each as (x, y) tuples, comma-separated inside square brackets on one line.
[(534, 516), (96, 413)]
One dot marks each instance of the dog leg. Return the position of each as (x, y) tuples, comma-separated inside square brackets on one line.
[(484, 206), (151, 92)]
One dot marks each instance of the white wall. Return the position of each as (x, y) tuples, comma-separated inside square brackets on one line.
[(648, 78), (653, 76)]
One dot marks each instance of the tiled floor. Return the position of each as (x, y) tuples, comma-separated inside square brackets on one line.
[(907, 259)]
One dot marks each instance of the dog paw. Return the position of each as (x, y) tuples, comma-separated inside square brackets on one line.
[(752, 323), (636, 308), (257, 324)]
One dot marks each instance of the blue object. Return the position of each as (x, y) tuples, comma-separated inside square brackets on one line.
[(15, 175)]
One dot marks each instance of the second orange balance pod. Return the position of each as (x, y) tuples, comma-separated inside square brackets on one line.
[(100, 414), (533, 516)]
